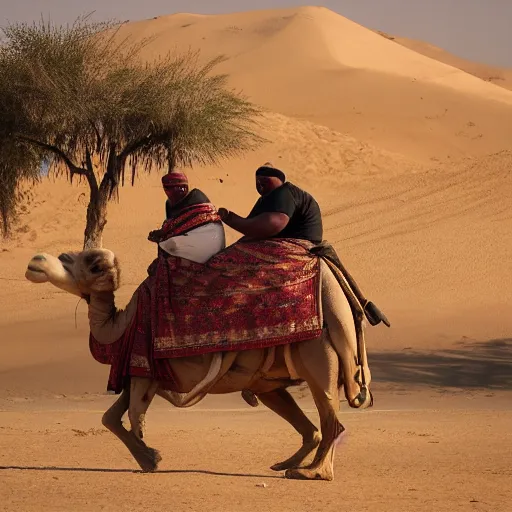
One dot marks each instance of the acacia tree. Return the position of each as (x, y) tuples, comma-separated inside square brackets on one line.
[(82, 98)]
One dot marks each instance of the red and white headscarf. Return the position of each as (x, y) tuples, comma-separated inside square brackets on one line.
[(174, 179)]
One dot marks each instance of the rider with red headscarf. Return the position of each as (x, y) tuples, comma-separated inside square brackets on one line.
[(192, 229)]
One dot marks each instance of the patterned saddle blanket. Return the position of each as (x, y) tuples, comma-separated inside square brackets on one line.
[(250, 295)]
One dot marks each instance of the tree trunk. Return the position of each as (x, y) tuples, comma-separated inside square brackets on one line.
[(96, 220), (99, 198)]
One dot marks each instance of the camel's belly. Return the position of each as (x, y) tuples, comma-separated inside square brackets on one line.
[(244, 373)]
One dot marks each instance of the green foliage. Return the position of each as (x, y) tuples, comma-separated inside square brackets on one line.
[(83, 96), (19, 163)]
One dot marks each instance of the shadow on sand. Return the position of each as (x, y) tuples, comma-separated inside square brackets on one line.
[(109, 470), (485, 365)]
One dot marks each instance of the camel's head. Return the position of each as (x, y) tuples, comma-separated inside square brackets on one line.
[(93, 270)]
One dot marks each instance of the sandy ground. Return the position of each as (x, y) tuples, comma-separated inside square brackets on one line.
[(438, 438), (417, 451), (410, 158)]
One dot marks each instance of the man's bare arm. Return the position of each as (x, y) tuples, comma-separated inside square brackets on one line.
[(264, 225)]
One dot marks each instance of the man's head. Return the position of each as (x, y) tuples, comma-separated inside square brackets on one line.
[(175, 186), (268, 178)]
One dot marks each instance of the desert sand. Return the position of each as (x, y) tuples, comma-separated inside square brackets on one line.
[(409, 154), (493, 74)]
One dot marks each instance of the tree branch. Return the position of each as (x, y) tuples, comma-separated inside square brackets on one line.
[(133, 146), (88, 160), (91, 178), (99, 138), (74, 169)]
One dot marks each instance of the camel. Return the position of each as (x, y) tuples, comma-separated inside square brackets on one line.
[(327, 364)]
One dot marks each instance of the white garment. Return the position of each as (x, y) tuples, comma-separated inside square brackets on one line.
[(198, 244)]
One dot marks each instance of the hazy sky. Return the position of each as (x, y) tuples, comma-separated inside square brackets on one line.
[(475, 29)]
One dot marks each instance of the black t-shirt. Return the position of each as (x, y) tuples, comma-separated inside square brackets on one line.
[(304, 212), (195, 196)]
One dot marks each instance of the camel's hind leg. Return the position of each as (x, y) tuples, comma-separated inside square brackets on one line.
[(342, 331), (146, 457), (282, 403), (317, 362)]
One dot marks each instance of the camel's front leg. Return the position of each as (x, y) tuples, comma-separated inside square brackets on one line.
[(142, 392), (282, 403), (113, 418), (146, 457)]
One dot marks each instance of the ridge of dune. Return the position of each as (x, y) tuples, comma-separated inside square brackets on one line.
[(313, 64), (496, 75), (357, 47), (326, 37)]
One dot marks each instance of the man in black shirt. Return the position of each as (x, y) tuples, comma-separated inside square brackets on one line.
[(286, 211), (282, 211)]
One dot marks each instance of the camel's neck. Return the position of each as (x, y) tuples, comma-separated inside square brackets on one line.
[(101, 307), (106, 322)]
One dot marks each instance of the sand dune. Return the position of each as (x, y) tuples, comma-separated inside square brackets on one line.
[(410, 158), (493, 74), (314, 64)]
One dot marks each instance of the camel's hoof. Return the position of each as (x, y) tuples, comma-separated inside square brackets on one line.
[(250, 398), (308, 474), (283, 466), (149, 461), (363, 400), (297, 460)]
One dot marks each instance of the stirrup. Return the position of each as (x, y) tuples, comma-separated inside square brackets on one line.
[(374, 315)]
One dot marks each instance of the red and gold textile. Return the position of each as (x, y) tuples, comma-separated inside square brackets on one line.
[(251, 295), (189, 218)]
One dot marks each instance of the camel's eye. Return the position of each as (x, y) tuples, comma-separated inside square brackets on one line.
[(95, 269)]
